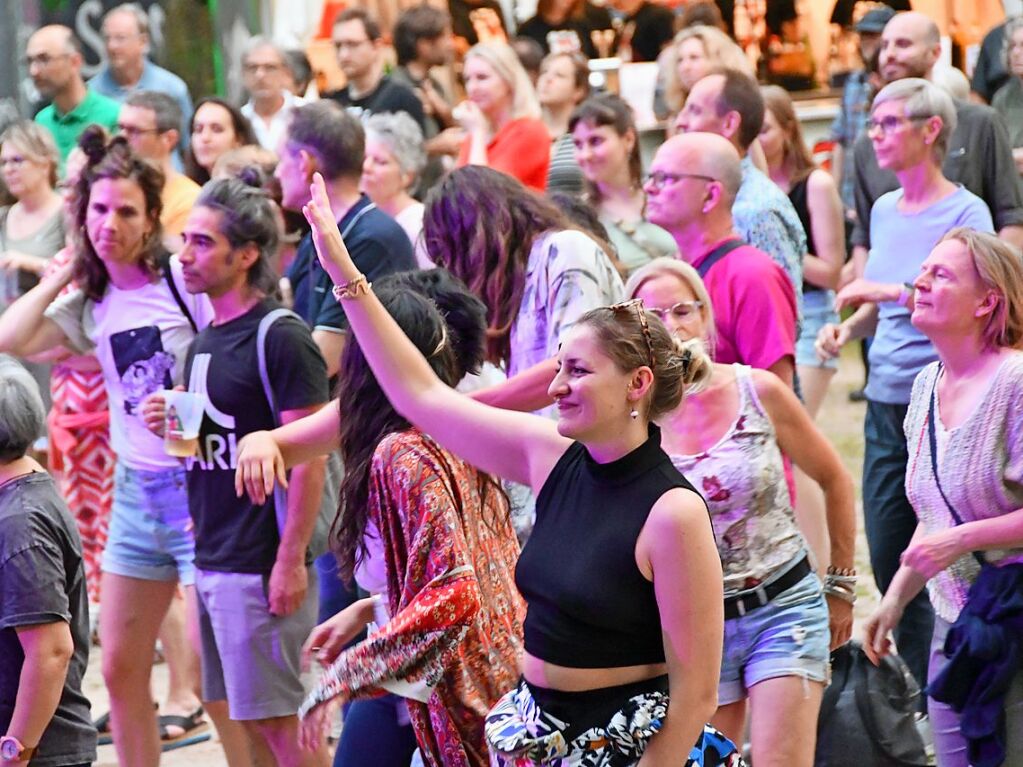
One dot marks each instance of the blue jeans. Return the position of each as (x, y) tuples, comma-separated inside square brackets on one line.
[(890, 522), (374, 735)]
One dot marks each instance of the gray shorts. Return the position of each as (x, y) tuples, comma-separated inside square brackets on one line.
[(250, 658)]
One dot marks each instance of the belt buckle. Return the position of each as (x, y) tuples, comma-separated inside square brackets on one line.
[(762, 599)]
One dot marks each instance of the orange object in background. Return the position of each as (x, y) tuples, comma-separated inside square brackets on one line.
[(331, 8)]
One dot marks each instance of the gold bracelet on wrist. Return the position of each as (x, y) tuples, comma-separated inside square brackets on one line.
[(352, 289)]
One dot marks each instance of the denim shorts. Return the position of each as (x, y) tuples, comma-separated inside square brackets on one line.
[(151, 535), (250, 658), (789, 636), (818, 311)]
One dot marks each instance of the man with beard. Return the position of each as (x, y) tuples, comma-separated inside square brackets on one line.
[(54, 60)]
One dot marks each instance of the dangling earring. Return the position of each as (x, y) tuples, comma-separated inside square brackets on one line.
[(633, 414)]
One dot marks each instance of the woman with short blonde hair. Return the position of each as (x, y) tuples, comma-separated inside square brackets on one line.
[(32, 229), (694, 52), (963, 481)]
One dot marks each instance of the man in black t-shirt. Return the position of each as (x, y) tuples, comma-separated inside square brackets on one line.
[(359, 49), (44, 615), (323, 139), (256, 587), (646, 29)]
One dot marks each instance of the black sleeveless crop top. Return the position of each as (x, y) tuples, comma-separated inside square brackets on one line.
[(798, 198), (588, 604)]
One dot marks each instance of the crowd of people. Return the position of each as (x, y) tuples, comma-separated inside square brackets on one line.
[(511, 438)]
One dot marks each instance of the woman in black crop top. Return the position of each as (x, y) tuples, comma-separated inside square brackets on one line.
[(621, 575)]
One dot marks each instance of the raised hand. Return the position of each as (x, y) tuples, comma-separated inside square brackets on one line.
[(330, 248)]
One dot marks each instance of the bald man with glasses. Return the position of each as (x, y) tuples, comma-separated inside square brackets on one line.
[(692, 184)]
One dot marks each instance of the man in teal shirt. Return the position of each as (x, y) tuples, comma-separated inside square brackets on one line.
[(54, 60)]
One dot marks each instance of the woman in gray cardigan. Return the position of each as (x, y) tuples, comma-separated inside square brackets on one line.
[(968, 300)]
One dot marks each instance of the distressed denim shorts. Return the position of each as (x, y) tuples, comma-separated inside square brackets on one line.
[(789, 636), (151, 533), (818, 311)]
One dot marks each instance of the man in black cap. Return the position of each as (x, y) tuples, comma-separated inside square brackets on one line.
[(857, 94)]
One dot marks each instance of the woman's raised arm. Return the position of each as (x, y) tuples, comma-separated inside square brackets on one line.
[(517, 446), (24, 330)]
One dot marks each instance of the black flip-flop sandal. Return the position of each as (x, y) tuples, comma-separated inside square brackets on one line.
[(194, 728)]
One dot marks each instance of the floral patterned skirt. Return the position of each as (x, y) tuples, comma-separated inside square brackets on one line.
[(521, 734)]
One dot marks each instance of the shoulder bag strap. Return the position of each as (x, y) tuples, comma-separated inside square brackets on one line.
[(718, 253), (280, 495), (931, 415), (169, 276)]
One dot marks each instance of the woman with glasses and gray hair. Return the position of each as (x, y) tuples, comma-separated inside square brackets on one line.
[(394, 159), (44, 617), (728, 439), (910, 124)]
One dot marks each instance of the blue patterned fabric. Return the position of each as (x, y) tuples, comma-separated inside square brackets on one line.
[(765, 217), (520, 734), (850, 121)]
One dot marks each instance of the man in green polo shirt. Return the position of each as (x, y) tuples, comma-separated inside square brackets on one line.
[(54, 59)]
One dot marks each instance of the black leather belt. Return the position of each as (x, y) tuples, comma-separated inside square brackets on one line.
[(747, 601)]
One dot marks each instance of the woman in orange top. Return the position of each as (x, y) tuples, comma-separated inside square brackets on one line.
[(501, 117)]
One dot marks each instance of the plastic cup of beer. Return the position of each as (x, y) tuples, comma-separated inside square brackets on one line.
[(181, 421)]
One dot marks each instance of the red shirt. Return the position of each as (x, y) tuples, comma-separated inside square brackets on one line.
[(522, 149), (754, 308)]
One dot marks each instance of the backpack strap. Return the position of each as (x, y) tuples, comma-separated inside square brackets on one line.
[(172, 284), (718, 253), (280, 495), (931, 415)]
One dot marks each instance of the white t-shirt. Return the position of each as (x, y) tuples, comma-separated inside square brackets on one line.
[(140, 338), (411, 221)]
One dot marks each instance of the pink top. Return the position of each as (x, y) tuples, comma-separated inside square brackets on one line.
[(754, 308)]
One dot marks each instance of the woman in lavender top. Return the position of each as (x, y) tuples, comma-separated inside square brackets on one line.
[(968, 300)]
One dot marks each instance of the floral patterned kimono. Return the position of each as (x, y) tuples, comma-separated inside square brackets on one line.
[(453, 644)]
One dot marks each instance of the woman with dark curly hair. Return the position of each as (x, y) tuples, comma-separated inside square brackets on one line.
[(132, 312), (426, 534), (536, 272)]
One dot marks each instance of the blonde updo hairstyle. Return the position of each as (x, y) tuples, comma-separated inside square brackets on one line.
[(631, 343), (687, 275), (1000, 266)]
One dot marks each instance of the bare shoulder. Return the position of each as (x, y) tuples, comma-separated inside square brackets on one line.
[(821, 188), (768, 386), (679, 510)]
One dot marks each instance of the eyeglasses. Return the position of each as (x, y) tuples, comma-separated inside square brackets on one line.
[(637, 305), (680, 311), (888, 124), (254, 68), (658, 178), (349, 44), (133, 132), (44, 59)]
